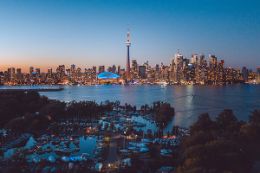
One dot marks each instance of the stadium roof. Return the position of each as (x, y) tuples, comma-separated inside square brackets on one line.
[(107, 75)]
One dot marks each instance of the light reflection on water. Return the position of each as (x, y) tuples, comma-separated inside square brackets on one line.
[(189, 101)]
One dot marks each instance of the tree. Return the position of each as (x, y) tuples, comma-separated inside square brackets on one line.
[(251, 135), (215, 146), (163, 114), (204, 123)]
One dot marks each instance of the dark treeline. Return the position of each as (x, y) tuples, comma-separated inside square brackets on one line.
[(221, 145), (28, 111)]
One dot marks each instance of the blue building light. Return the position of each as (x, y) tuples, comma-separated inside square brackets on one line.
[(107, 75)]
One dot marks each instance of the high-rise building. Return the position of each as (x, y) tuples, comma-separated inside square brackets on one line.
[(11, 73), (201, 60), (38, 71), (258, 70), (78, 72), (177, 68), (60, 72), (142, 71), (213, 63), (31, 70), (157, 68), (200, 70), (49, 74), (18, 71), (1, 78), (94, 69), (118, 69), (194, 59), (128, 44), (258, 75), (134, 66), (245, 74), (73, 67), (101, 69), (221, 77), (19, 74), (113, 69)]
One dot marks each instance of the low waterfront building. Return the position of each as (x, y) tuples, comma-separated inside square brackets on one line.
[(108, 78)]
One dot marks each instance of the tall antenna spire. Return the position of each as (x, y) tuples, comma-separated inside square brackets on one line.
[(128, 44)]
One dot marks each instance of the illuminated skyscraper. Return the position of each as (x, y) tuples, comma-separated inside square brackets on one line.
[(177, 67), (38, 71), (101, 69), (213, 64), (194, 59), (60, 71), (19, 74), (49, 74), (142, 71), (245, 74), (31, 70), (128, 44), (258, 75), (11, 73), (134, 65)]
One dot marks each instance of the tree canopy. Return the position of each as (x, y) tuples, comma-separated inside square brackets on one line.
[(221, 145)]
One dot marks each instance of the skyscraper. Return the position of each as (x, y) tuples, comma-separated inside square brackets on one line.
[(128, 44), (49, 74), (245, 74), (177, 67), (11, 73), (19, 75), (38, 71), (142, 71), (31, 70), (258, 75), (134, 65), (101, 69)]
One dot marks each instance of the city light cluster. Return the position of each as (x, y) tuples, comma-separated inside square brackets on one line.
[(196, 70)]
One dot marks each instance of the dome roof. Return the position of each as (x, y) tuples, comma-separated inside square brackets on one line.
[(107, 75)]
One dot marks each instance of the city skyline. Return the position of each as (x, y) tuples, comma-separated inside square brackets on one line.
[(26, 68), (45, 34), (198, 70)]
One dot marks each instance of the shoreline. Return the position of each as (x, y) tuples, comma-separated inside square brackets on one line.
[(32, 89), (132, 84)]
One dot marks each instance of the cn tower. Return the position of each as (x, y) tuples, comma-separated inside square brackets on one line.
[(128, 44)]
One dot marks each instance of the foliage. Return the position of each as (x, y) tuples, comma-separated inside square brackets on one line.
[(30, 112), (221, 145), (163, 113)]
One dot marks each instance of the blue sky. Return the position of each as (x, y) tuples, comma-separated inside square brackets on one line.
[(45, 33)]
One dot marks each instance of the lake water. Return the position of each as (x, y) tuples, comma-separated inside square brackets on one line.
[(189, 101)]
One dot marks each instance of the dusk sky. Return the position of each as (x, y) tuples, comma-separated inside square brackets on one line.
[(46, 33)]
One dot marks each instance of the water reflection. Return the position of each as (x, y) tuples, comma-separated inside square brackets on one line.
[(188, 101)]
